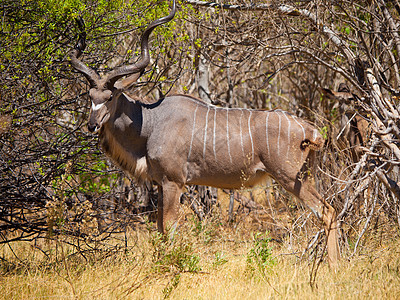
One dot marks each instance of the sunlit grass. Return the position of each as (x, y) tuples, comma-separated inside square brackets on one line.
[(202, 262)]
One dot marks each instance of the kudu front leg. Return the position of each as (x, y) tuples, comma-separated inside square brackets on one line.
[(168, 205), (301, 185), (331, 230), (327, 214)]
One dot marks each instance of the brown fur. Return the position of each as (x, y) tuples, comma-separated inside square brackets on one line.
[(180, 140)]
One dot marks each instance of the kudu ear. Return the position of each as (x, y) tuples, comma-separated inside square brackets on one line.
[(328, 93), (127, 82), (341, 96)]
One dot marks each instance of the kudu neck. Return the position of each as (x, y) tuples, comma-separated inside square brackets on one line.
[(130, 117)]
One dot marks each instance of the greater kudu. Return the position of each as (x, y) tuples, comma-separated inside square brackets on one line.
[(353, 128), (180, 140)]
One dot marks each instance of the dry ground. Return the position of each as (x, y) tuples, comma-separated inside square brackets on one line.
[(199, 265), (215, 259)]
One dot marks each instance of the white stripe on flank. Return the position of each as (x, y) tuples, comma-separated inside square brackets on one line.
[(205, 134), (251, 138), (315, 135), (304, 135), (241, 133), (193, 129), (215, 114), (279, 130), (288, 133), (227, 134), (266, 133), (97, 106)]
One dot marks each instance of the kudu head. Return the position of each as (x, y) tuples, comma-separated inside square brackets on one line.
[(104, 90)]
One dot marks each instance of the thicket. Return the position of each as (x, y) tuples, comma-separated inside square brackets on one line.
[(53, 177)]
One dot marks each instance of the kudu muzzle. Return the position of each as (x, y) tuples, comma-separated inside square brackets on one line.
[(99, 112)]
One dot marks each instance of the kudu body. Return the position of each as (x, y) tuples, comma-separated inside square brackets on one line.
[(180, 140)]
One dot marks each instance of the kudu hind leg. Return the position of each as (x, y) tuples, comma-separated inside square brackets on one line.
[(168, 205)]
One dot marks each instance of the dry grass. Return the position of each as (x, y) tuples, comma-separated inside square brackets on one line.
[(152, 269)]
